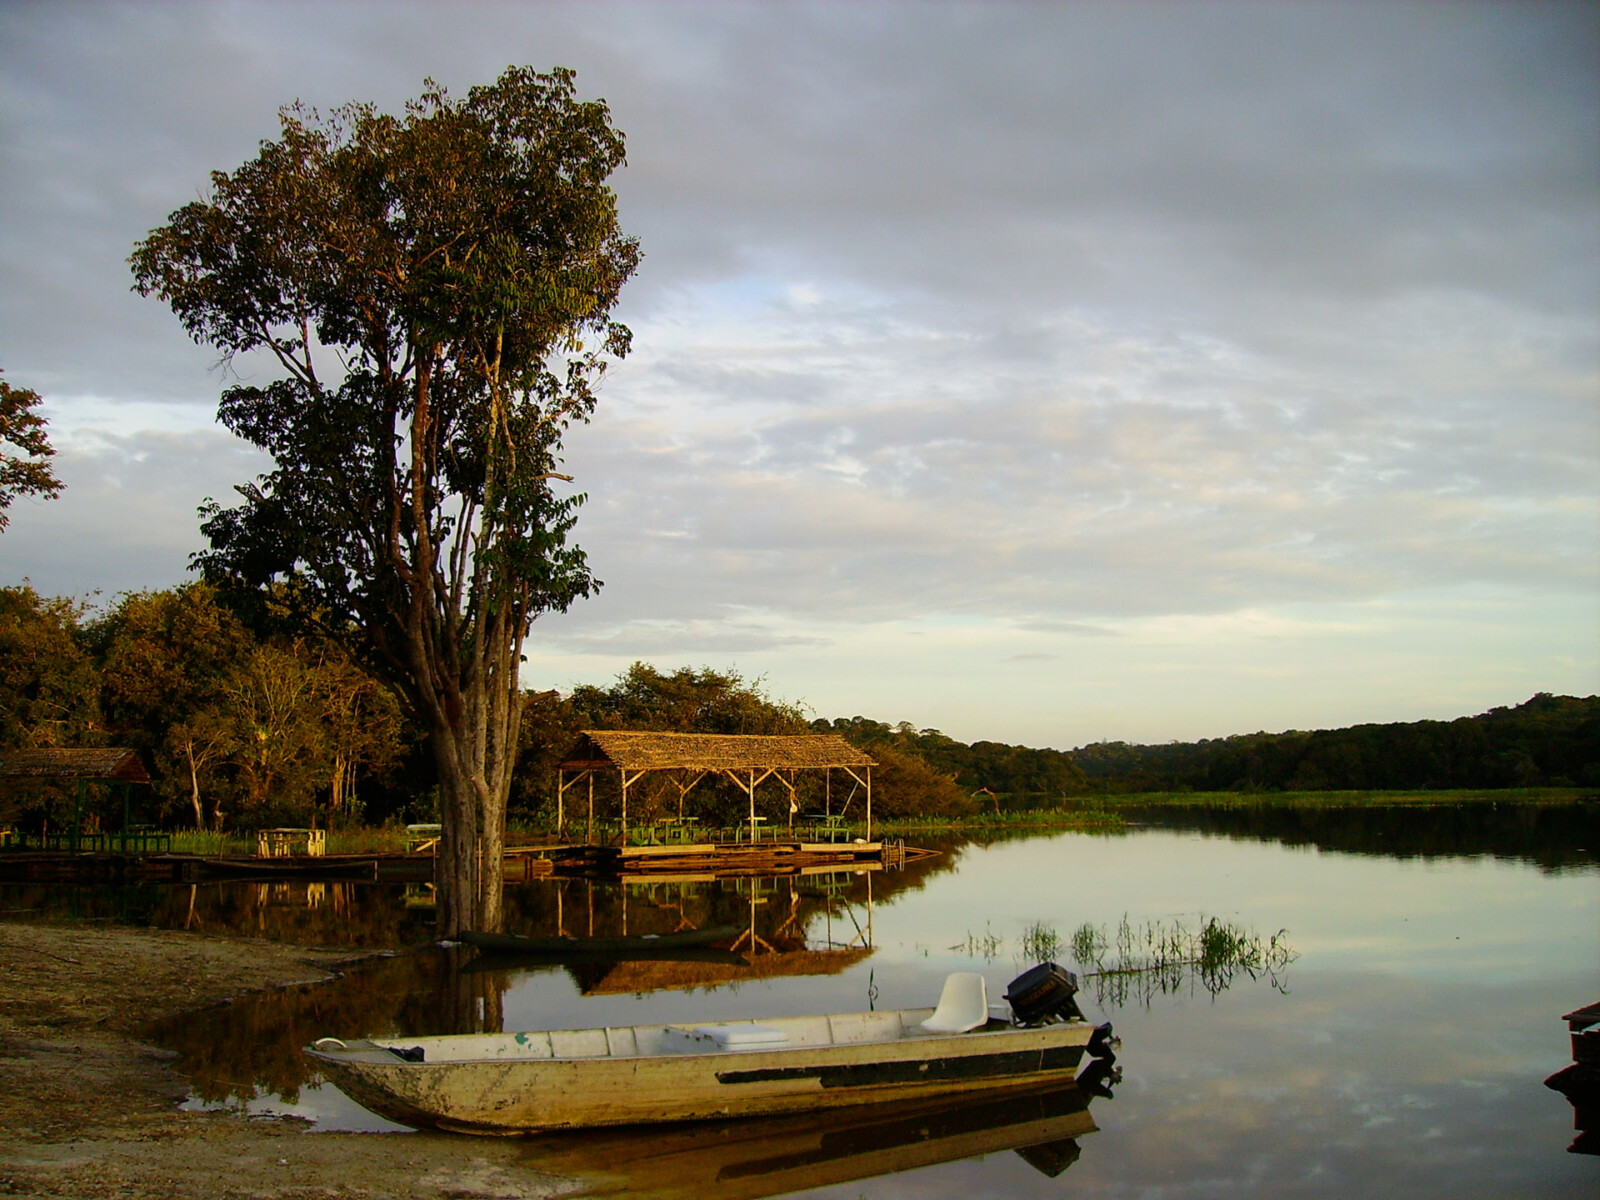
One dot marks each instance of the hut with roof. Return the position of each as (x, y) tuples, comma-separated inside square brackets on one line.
[(117, 768), (747, 760)]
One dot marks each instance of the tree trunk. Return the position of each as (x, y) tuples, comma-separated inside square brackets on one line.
[(194, 789), (474, 784)]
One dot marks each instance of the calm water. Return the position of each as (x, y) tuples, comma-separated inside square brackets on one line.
[(1401, 1053)]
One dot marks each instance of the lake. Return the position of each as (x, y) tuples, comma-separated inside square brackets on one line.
[(1401, 1052)]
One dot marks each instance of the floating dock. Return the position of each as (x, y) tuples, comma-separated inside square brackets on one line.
[(569, 860)]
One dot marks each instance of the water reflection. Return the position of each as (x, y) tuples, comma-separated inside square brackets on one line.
[(397, 915), (741, 1160), (1554, 836), (773, 928)]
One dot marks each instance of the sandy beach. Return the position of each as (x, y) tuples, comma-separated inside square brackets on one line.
[(89, 1110)]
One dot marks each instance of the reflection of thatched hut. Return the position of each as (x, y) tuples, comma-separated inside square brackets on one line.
[(634, 978)]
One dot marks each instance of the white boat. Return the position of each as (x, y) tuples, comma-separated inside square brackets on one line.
[(579, 1078)]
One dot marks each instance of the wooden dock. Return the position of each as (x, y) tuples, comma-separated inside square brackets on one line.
[(718, 858)]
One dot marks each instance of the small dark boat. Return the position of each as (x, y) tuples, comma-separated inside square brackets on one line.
[(264, 869)]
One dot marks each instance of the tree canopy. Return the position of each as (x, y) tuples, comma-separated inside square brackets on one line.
[(435, 290)]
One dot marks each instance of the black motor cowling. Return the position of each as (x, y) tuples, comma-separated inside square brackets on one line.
[(1042, 994)]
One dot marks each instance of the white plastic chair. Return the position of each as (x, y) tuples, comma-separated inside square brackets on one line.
[(963, 1005)]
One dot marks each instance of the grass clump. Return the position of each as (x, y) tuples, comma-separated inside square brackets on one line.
[(1136, 963)]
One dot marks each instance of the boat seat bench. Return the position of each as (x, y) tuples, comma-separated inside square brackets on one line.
[(701, 1039)]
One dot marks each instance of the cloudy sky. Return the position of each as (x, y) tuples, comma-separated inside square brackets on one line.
[(1037, 372)]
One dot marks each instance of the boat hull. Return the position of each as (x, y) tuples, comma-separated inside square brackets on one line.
[(505, 1095)]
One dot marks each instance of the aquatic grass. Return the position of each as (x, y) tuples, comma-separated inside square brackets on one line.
[(1136, 963), (207, 844), (1040, 942), (985, 945)]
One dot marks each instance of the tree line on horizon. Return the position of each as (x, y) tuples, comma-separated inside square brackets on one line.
[(244, 721)]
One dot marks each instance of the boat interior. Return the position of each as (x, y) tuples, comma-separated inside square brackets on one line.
[(963, 1008)]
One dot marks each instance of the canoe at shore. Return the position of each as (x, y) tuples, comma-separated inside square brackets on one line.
[(580, 1078)]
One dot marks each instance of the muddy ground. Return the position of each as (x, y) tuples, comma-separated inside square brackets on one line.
[(88, 1110)]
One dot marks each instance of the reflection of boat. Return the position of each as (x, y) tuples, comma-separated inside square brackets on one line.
[(621, 947), (499, 1083), (771, 1156)]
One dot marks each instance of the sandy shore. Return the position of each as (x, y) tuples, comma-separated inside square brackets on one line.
[(88, 1110)]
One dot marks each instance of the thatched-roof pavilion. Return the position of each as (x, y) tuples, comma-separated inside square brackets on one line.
[(746, 759), (117, 767), (91, 766)]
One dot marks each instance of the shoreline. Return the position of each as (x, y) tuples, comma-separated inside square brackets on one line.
[(89, 1109)]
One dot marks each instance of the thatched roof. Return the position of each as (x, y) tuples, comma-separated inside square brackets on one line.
[(121, 766), (631, 751)]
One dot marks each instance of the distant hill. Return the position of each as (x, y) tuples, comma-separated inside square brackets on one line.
[(1548, 741), (1551, 741)]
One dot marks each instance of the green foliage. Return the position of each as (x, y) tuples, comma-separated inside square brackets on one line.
[(456, 259), (1136, 963), (685, 701), (903, 785), (163, 659), (1548, 740), (24, 471), (48, 685), (1020, 774)]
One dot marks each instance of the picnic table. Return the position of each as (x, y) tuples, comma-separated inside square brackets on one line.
[(423, 836), (282, 843), (827, 827)]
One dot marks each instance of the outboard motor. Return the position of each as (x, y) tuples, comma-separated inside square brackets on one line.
[(1043, 994)]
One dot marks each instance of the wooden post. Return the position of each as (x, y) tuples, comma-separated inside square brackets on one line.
[(77, 818), (589, 837), (869, 804)]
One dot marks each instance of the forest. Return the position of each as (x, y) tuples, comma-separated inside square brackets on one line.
[(244, 720)]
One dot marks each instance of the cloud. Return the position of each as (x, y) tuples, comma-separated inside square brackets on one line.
[(126, 520), (1066, 320)]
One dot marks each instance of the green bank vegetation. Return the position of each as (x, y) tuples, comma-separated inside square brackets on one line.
[(245, 720)]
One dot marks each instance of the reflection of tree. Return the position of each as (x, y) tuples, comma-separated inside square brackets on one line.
[(1551, 835), (252, 1046)]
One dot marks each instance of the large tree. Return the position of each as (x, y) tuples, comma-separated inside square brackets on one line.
[(436, 291)]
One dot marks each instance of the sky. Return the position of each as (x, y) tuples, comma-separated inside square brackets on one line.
[(1042, 373)]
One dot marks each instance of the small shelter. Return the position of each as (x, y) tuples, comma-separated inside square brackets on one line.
[(117, 767), (747, 760)]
